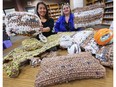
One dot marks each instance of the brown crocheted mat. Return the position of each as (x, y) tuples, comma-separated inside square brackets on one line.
[(67, 68)]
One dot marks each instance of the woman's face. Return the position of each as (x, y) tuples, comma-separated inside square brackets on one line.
[(66, 10), (42, 10)]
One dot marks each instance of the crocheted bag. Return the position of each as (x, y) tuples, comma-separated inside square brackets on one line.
[(67, 68), (23, 23), (88, 15)]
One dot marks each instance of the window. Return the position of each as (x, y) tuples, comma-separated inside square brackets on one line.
[(30, 9), (9, 10)]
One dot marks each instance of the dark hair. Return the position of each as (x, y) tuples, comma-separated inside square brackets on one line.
[(46, 15)]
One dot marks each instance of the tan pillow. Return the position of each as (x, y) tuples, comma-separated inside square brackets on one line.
[(66, 68)]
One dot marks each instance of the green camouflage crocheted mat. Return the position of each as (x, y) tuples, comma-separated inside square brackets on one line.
[(19, 55)]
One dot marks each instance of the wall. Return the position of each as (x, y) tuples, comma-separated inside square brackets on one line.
[(77, 3), (24, 3), (8, 4), (34, 2)]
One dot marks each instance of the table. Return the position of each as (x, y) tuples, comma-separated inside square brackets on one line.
[(28, 74)]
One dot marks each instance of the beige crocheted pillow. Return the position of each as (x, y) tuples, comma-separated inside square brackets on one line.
[(31, 44), (66, 68)]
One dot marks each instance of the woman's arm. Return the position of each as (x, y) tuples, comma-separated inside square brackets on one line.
[(57, 26), (47, 29)]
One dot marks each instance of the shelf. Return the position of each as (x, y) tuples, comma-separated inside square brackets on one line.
[(89, 4), (106, 24), (108, 18), (54, 11), (55, 15), (108, 13), (96, 1), (108, 7), (109, 2), (54, 18), (54, 7)]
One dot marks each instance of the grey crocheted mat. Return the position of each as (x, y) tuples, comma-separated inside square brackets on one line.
[(105, 55), (67, 68), (88, 15)]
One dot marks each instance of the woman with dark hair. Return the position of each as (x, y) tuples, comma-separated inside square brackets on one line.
[(66, 20), (47, 22)]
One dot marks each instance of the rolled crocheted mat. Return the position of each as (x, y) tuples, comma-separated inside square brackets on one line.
[(22, 23), (88, 15), (62, 69)]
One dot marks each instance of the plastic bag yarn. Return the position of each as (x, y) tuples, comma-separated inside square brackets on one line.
[(89, 45), (31, 44), (88, 15), (19, 54), (74, 48), (105, 55), (23, 23), (81, 36), (65, 41), (67, 68)]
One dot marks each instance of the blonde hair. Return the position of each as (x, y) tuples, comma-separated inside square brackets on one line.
[(65, 4)]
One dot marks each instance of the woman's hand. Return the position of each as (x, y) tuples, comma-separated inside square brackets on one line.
[(41, 27), (46, 29)]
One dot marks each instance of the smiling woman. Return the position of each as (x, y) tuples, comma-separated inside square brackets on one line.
[(65, 22), (47, 22)]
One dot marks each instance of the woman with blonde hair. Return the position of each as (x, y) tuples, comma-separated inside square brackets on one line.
[(66, 21)]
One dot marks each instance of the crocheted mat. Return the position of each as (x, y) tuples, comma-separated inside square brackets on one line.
[(88, 15), (19, 55), (62, 69)]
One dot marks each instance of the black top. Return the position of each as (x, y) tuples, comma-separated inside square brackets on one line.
[(49, 23), (67, 26)]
